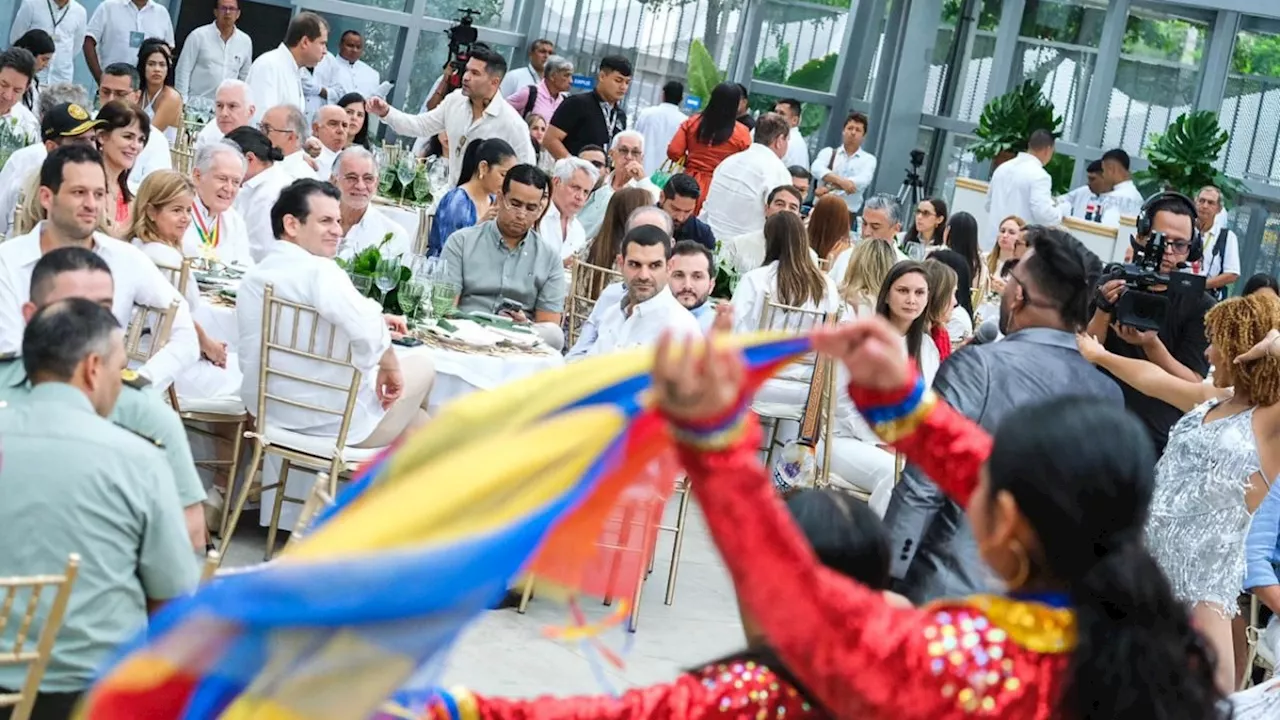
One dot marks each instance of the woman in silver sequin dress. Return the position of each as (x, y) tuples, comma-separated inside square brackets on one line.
[(1218, 465)]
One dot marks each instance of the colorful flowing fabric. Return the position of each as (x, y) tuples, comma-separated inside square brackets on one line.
[(516, 480)]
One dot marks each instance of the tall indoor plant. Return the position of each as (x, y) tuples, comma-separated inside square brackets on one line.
[(1182, 158), (1007, 123)]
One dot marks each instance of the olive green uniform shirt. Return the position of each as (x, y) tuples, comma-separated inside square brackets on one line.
[(142, 410), (74, 482)]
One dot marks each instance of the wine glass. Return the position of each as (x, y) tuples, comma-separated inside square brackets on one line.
[(386, 179), (443, 293), (363, 283), (421, 185), (387, 275), (410, 297), (438, 176), (406, 169)]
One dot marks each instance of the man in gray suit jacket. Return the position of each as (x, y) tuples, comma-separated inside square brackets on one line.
[(1046, 299)]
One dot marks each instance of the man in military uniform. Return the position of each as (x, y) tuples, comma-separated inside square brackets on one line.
[(76, 272), (74, 482)]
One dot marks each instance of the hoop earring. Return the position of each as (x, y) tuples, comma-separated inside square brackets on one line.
[(1024, 565)]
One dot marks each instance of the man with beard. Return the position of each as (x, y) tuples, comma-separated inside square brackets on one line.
[(1044, 304), (355, 173), (692, 273), (649, 309)]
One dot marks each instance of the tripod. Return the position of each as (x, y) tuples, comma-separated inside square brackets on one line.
[(912, 190)]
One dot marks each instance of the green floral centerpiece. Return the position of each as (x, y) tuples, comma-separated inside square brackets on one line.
[(366, 263), (404, 180), (12, 138), (726, 276)]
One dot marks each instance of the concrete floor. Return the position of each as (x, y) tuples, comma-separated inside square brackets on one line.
[(505, 653)]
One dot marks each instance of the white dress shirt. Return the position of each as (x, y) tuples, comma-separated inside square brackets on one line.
[(119, 27), (1219, 261), (25, 120), (860, 167), (137, 281), (1125, 198), (350, 318), (154, 156), (324, 163), (592, 214), (275, 79), (610, 296), (1078, 203), (622, 327), (66, 25), (257, 196), (518, 78), (798, 153), (233, 236), (739, 188), (745, 253), (658, 124), (14, 178), (1021, 187), (298, 168), (453, 116), (208, 135), (339, 77), (372, 230), (207, 60), (569, 240)]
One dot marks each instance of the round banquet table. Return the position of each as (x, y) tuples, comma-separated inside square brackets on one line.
[(462, 371)]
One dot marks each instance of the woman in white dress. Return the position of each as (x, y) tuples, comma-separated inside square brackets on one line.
[(858, 459), (790, 276), (162, 213)]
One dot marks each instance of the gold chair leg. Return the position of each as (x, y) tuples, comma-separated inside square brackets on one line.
[(275, 511), (236, 441), (241, 498), (624, 535), (525, 595), (335, 469), (633, 619), (773, 444), (681, 514)]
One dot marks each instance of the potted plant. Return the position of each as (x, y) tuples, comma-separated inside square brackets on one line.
[(1182, 158), (1007, 122)]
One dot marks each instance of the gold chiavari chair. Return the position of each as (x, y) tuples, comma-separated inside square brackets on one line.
[(318, 499), (1253, 636), (294, 330), (148, 331), (587, 281), (18, 653), (182, 158), (421, 241), (786, 318)]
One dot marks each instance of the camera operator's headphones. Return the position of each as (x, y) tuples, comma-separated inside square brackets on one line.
[(1146, 217)]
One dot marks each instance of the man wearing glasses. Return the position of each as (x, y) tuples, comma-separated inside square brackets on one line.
[(503, 266), (355, 172), (626, 155), (286, 127), (1179, 346), (213, 53)]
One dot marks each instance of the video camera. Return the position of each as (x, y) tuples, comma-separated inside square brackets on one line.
[(461, 39), (1139, 306)]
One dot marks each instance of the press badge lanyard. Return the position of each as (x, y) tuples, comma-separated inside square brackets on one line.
[(57, 19)]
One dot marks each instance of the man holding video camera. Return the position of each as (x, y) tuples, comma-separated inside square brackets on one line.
[(1162, 319)]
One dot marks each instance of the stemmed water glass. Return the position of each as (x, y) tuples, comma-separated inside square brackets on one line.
[(443, 293), (421, 184), (410, 297), (406, 169), (438, 176), (387, 275)]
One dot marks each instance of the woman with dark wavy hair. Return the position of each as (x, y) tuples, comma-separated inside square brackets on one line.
[(160, 101), (121, 137)]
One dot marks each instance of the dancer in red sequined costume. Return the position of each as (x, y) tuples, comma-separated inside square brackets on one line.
[(847, 539), (1089, 631)]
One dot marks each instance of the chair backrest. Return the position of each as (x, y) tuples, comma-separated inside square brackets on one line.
[(291, 329), (177, 276), (19, 652), (586, 283), (791, 319), (181, 158), (422, 239), (148, 331)]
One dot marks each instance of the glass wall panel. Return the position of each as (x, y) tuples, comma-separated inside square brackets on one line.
[(800, 44), (497, 14), (1058, 46), (1157, 78), (970, 88), (383, 43), (813, 118), (1251, 108), (429, 60)]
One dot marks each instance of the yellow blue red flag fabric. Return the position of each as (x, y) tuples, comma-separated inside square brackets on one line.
[(515, 480)]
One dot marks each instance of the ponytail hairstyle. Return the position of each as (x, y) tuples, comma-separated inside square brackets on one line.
[(490, 152), (1084, 483)]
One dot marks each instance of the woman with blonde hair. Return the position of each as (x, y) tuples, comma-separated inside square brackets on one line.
[(829, 227), (1010, 244), (868, 266), (942, 301), (1221, 459), (162, 214)]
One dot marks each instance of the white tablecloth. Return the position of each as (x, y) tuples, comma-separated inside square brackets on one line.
[(459, 373)]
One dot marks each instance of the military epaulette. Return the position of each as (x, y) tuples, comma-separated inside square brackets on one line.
[(134, 380), (150, 440)]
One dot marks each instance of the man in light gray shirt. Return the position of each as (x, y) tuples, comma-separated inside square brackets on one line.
[(502, 266)]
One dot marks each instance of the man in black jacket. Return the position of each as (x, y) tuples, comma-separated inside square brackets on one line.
[(1045, 301)]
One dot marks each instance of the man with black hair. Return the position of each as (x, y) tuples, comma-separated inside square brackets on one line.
[(797, 149), (72, 189), (1179, 346), (1123, 196), (801, 179), (1045, 302), (746, 252), (214, 53), (847, 170), (591, 118), (540, 51), (17, 68), (307, 221), (679, 198), (1021, 186), (648, 309), (75, 483), (275, 78), (692, 269), (659, 123), (60, 124), (346, 72), (1087, 202), (476, 112), (504, 266)]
